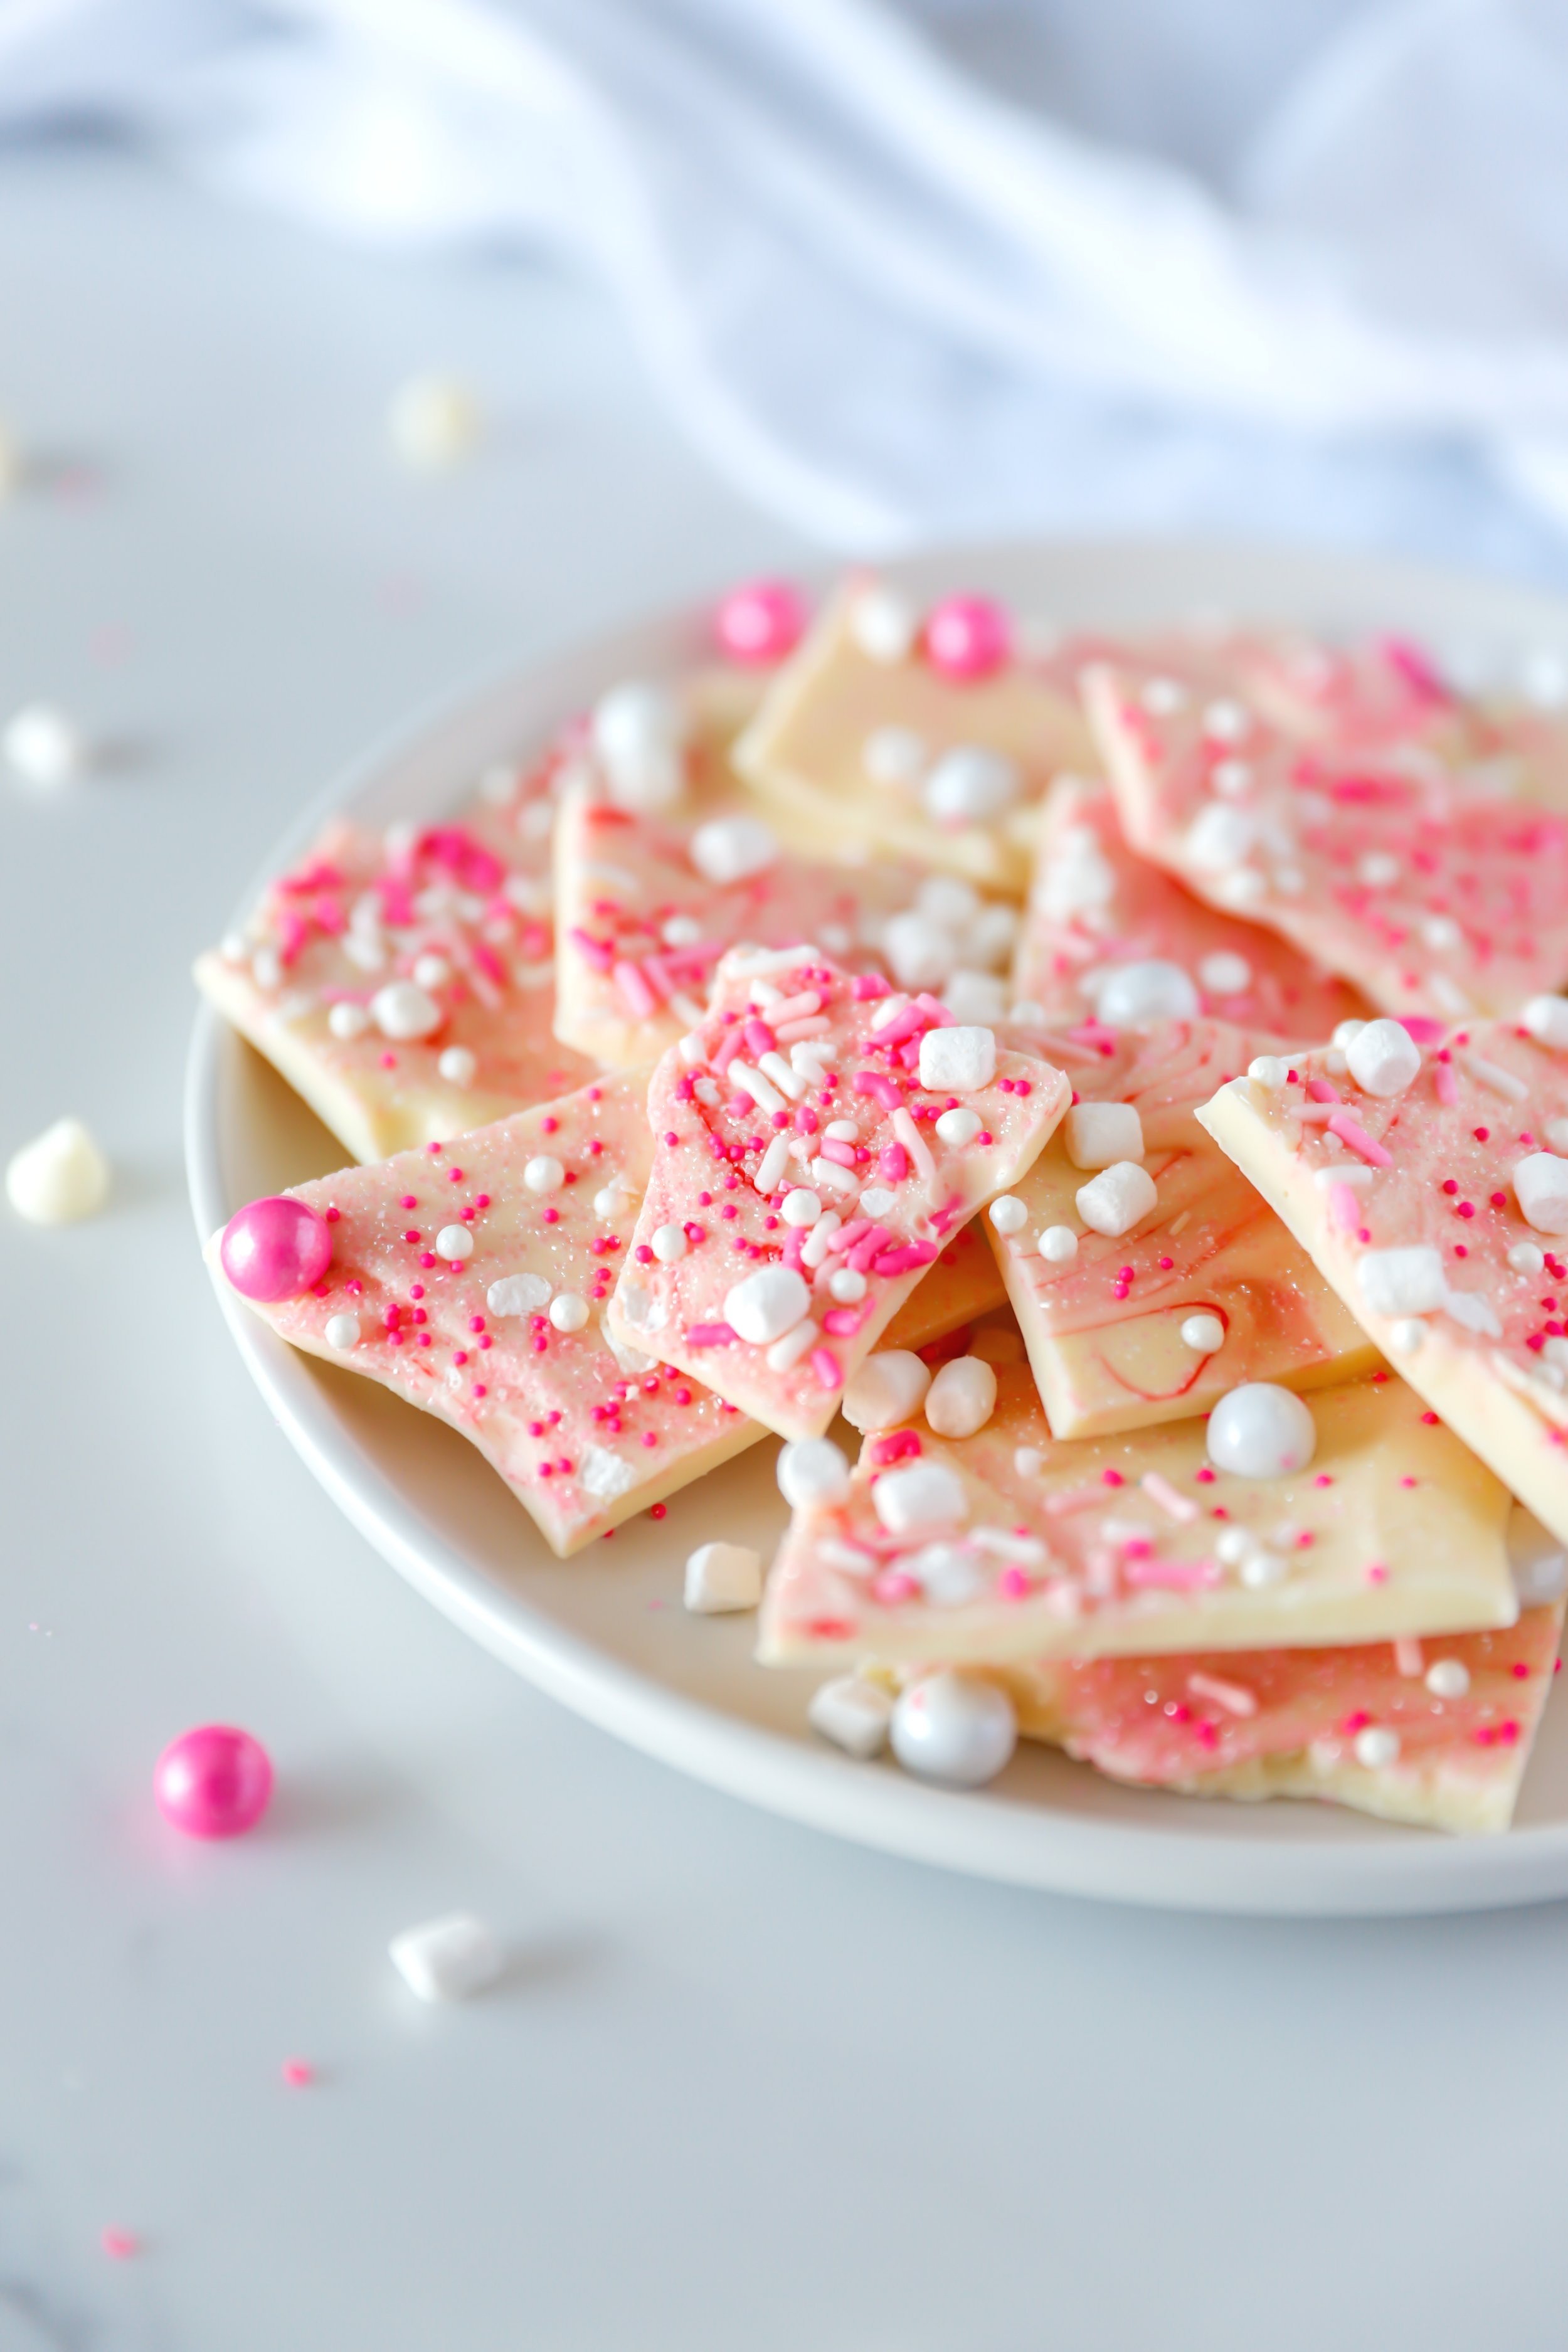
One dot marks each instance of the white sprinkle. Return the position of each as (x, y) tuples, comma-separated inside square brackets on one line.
[(766, 1098), (1171, 1500), (1261, 1431), (341, 1331), (616, 1198), (814, 1249), (918, 1495), (1058, 1244), (918, 952), (894, 756), (1268, 1070), (544, 1173), (1376, 1747), (457, 1066), (1027, 1461), (447, 1960), (883, 625), (962, 1398), (845, 1288), (801, 1207), (1546, 1018), (914, 1143), (630, 1359), (669, 1245), (813, 1473), (1226, 722), (1224, 974), (853, 1714), (1527, 1257), (723, 1577), (958, 1126), (1098, 1134), (1262, 1568), (1116, 1200), (828, 1175), (605, 1475), (58, 1177), (348, 1021), (402, 1010), (1204, 1334), (1235, 1697), (732, 848), (1343, 1171), (568, 1312), (518, 1294), (1473, 1313), (771, 1166), (1440, 932), (434, 422), (1008, 1213), (43, 746), (1540, 1185), (267, 968), (1496, 1080), (1220, 837), (1447, 1678), (785, 1354), (788, 1082), (888, 1388), (431, 971)]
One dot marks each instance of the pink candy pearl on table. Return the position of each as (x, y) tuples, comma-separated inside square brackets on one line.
[(759, 623), (275, 1248), (967, 636), (213, 1782)]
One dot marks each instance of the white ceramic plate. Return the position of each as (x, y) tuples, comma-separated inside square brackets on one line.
[(606, 1633)]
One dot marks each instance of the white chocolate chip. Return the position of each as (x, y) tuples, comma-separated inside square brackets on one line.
[(887, 1389), (1116, 1200), (723, 1577), (61, 1176), (1098, 1134)]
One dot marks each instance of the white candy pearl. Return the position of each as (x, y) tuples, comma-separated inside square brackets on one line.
[(432, 971), (454, 1243), (544, 1174), (1204, 1334), (958, 1126), (457, 1066), (801, 1207), (813, 1473), (732, 848), (969, 784), (847, 1287), (1540, 1186), (954, 1728), (1139, 992), (1268, 1070), (1376, 1747), (43, 746), (883, 625), (1259, 1430), (1058, 1244), (402, 1010), (1448, 1679), (347, 1021), (341, 1331), (1008, 1213), (669, 1245), (568, 1312)]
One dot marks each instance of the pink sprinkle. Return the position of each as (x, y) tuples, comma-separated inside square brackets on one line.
[(824, 1365), (708, 1335), (867, 984), (892, 1585), (966, 637), (1354, 1137), (119, 2244), (894, 1164), (1344, 1209), (298, 2072), (898, 1446), (1445, 1084), (1013, 1584), (1377, 1574), (1112, 1478)]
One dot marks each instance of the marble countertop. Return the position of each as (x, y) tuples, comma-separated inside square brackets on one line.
[(742, 2085)]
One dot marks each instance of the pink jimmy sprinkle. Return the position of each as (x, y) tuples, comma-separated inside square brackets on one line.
[(1172, 1575), (893, 1165), (898, 1446), (1354, 1137), (867, 984), (1446, 1085), (599, 953), (904, 1259), (825, 1366), (1235, 1697), (708, 1335), (893, 1585), (1319, 1090), (635, 994), (1344, 1209), (1013, 1584), (882, 1090)]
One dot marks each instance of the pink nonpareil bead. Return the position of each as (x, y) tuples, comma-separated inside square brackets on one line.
[(214, 1782), (759, 623), (275, 1248), (967, 637)]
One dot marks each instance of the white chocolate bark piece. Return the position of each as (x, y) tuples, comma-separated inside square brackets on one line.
[(1409, 1204), (1006, 1547), (648, 899), (801, 1185), (404, 984), (1435, 1733), (1112, 1328), (1413, 879), (882, 745), (1097, 912), (956, 1289), (507, 1344)]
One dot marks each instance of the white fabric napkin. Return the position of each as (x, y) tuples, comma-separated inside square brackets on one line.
[(963, 266)]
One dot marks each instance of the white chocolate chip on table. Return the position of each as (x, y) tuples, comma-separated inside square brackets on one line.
[(1005, 1545), (60, 1177), (1107, 1319), (750, 1308), (1434, 1246), (917, 763)]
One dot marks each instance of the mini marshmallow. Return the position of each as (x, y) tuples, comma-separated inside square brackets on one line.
[(959, 1059), (976, 996), (61, 1176), (1224, 974), (1058, 1244), (888, 1388), (1134, 994), (402, 1010), (732, 848), (947, 900), (1121, 1197), (1540, 1185), (518, 1294), (568, 1312), (969, 785), (1382, 1058), (918, 1495), (457, 1066), (347, 1021), (544, 1173), (1204, 1334), (957, 1127), (853, 1712), (1546, 1018), (883, 625), (1009, 1214), (766, 1305), (1268, 1070), (1098, 1134), (1402, 1281), (894, 756), (813, 1473), (454, 1243), (962, 1398), (721, 1577), (447, 1960), (918, 952), (639, 731)]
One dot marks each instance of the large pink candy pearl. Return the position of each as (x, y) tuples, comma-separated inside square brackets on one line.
[(967, 636), (275, 1248), (761, 622), (213, 1783)]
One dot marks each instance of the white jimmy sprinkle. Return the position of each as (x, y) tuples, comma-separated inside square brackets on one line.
[(785, 1354), (751, 1082), (828, 1175), (771, 1166), (1492, 1075), (913, 1141)]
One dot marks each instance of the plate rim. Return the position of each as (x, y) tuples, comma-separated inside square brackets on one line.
[(979, 1834)]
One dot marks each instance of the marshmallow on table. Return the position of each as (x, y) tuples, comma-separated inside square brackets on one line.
[(1005, 1546), (1111, 1348), (447, 1960), (721, 1577), (1448, 1254), (913, 760)]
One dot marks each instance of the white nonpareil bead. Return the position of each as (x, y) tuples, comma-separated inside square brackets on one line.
[(432, 971), (447, 1960), (454, 1243), (1447, 1678), (1220, 836), (954, 1728), (847, 1287), (1546, 1018), (1526, 1258), (1540, 1186), (615, 1200), (958, 1126), (732, 848), (765, 1304), (43, 746), (1116, 1200), (920, 1496), (894, 756), (962, 1398), (1226, 721), (1407, 1334), (976, 996), (568, 1312), (1376, 1747), (1268, 1070), (61, 1176), (1223, 974), (801, 1207), (544, 1173), (1204, 1334), (1009, 1214), (1134, 994), (1261, 1431), (918, 952), (720, 1577), (1382, 1058), (669, 1245), (1098, 1134), (883, 625), (402, 1010), (518, 1294), (341, 1331), (1058, 1244), (457, 1066), (959, 1059), (639, 731), (434, 422), (887, 1389), (853, 1714), (813, 1473), (348, 1022), (969, 785), (1409, 1281)]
